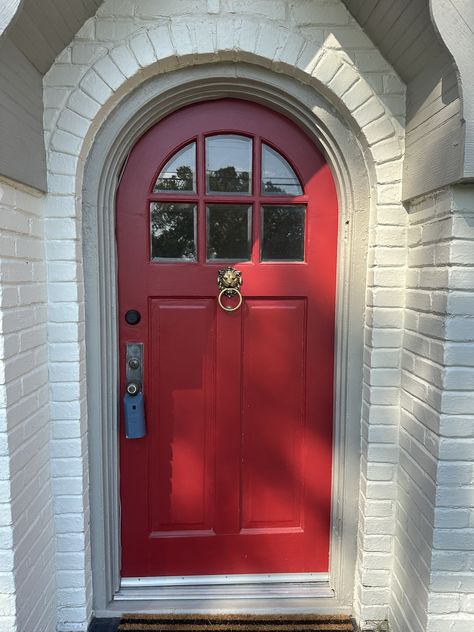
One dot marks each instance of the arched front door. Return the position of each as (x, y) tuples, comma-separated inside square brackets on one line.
[(233, 475)]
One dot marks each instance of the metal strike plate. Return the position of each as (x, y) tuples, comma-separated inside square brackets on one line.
[(134, 364)]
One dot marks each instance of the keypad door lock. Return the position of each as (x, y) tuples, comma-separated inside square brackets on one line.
[(133, 400)]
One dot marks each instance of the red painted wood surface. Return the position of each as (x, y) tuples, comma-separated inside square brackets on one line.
[(234, 475)]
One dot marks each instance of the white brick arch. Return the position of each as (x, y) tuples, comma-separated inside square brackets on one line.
[(116, 55), (375, 113)]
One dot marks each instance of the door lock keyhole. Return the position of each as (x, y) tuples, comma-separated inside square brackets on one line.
[(132, 388)]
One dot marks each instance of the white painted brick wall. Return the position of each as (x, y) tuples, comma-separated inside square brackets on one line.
[(316, 41), (27, 552), (432, 582), (452, 588)]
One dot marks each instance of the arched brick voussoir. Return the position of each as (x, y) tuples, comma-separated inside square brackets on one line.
[(179, 43)]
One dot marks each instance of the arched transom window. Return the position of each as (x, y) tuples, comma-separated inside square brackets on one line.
[(227, 197)]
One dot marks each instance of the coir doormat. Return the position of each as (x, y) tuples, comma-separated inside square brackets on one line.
[(235, 623)]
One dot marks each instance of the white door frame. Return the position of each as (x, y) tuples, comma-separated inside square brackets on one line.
[(107, 152)]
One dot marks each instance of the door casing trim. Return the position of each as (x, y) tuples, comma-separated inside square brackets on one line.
[(104, 153)]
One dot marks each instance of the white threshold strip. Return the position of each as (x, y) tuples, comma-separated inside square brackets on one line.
[(259, 586)]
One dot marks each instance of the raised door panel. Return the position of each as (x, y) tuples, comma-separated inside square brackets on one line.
[(273, 414), (181, 423)]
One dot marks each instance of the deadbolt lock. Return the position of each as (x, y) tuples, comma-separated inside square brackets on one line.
[(133, 367), (134, 363)]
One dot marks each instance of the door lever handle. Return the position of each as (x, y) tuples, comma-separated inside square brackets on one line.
[(133, 400)]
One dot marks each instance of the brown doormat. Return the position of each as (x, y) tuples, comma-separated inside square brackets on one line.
[(235, 623)]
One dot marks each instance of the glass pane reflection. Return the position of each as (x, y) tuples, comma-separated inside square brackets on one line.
[(278, 178), (229, 228), (173, 231), (228, 164), (179, 173), (283, 232)]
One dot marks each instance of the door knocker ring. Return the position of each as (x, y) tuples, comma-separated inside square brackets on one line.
[(229, 292), (229, 281)]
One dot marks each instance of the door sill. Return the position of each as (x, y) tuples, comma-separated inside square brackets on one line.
[(260, 586)]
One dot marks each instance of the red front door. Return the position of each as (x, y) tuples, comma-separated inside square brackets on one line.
[(234, 473)]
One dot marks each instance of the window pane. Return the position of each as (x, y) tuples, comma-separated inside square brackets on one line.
[(228, 164), (283, 229), (278, 178), (179, 173), (229, 229), (173, 231)]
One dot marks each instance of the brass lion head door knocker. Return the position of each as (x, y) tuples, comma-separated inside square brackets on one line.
[(229, 281)]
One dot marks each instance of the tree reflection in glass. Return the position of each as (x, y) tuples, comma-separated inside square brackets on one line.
[(173, 231), (228, 180), (178, 174), (228, 164), (269, 187), (228, 231), (283, 232), (278, 177), (181, 180)]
